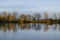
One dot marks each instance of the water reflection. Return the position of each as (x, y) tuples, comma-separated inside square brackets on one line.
[(46, 28), (36, 27)]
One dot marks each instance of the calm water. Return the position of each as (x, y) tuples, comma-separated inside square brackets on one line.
[(29, 32)]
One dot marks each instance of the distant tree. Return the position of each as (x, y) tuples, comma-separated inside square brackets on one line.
[(46, 15), (14, 15), (55, 16), (59, 15), (38, 16)]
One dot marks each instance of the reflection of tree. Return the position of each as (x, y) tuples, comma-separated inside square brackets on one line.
[(29, 26), (37, 26), (10, 26), (24, 26), (4, 28), (14, 27), (55, 27), (59, 27), (46, 28)]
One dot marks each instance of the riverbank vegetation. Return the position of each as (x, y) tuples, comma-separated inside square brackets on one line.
[(12, 17)]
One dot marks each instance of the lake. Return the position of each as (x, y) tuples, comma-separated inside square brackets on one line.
[(29, 31)]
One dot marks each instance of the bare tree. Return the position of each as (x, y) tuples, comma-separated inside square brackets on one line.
[(37, 16)]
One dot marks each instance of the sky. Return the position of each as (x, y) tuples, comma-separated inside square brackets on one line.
[(30, 5)]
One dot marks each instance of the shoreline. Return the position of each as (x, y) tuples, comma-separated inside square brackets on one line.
[(43, 21)]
